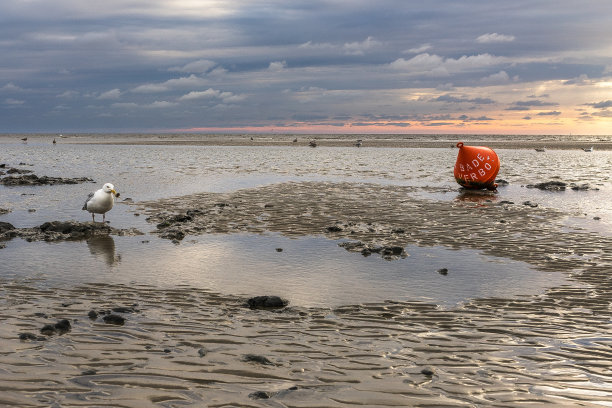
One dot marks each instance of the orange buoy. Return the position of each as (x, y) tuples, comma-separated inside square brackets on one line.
[(476, 167)]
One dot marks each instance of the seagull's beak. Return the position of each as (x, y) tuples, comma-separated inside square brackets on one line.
[(114, 192)]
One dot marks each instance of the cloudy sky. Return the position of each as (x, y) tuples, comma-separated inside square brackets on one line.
[(291, 66)]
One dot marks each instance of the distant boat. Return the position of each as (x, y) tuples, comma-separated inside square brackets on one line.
[(588, 149)]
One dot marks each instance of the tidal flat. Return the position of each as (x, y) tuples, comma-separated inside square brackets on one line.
[(401, 288)]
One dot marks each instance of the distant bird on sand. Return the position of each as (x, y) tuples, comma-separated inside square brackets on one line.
[(54, 142), (101, 201), (25, 139)]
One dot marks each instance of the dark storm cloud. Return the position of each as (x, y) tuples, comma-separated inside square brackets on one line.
[(137, 65)]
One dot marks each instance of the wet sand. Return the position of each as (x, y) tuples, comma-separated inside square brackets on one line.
[(190, 347)]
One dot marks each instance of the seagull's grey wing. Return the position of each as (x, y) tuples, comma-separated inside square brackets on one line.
[(86, 201)]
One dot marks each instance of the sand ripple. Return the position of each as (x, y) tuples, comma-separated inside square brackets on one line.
[(187, 346)]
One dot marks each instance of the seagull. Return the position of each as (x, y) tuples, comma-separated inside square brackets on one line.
[(101, 201)]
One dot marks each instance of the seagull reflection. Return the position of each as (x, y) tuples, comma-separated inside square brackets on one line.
[(103, 246)]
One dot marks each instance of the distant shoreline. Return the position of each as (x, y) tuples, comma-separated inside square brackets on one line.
[(553, 142)]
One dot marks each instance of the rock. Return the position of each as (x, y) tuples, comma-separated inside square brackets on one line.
[(279, 249), (267, 302), (202, 352), (48, 329), (530, 204), (4, 211), (114, 319), (74, 228), (443, 271), (93, 315), (27, 336), (549, 186), (34, 180), (174, 234), (91, 371), (581, 187), (355, 246), (5, 226), (334, 228), (427, 371), (392, 251), (260, 395), (13, 170), (254, 358), (63, 326)]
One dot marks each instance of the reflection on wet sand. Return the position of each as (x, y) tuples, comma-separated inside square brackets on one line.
[(476, 196), (103, 247)]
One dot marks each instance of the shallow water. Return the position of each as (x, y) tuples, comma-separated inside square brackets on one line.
[(311, 271)]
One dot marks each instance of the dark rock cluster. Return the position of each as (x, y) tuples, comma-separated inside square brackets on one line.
[(388, 252), (61, 230), (561, 186), (34, 180)]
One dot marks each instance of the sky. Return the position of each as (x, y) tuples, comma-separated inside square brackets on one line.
[(306, 66)]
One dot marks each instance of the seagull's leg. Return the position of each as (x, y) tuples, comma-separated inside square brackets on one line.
[(93, 219), (103, 217)]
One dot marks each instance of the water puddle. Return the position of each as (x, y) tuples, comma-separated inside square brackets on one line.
[(309, 271)]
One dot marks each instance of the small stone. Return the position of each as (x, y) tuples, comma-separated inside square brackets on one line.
[(114, 319), (89, 372), (63, 326), (5, 226), (254, 358), (427, 371), (167, 350), (260, 395), (48, 330), (334, 228), (27, 336), (597, 218), (93, 315), (443, 271), (267, 302), (202, 352), (279, 249)]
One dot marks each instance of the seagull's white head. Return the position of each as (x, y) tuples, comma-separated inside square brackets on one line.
[(109, 188)]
